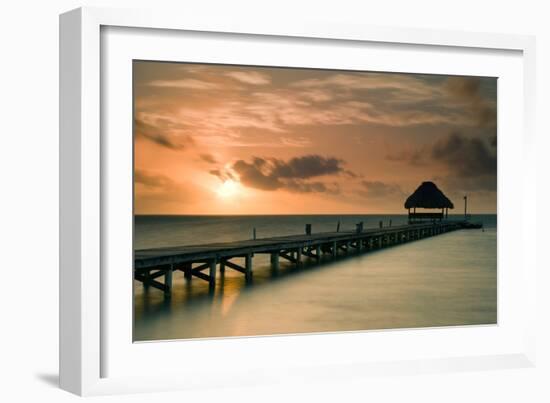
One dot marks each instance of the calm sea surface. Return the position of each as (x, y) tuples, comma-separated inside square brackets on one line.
[(449, 279)]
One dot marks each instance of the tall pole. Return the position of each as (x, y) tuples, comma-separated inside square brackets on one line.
[(465, 207)]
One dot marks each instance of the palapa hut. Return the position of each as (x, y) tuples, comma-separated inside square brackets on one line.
[(428, 196)]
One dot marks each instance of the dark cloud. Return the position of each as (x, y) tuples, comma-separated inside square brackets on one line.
[(470, 163), (150, 180), (465, 156), (307, 166), (468, 90), (164, 133), (208, 158), (301, 186), (256, 174), (377, 189), (222, 174), (293, 175), (352, 174)]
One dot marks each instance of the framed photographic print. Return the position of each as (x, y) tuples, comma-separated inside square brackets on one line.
[(255, 186), (261, 199)]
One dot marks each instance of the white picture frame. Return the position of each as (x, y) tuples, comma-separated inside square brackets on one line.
[(86, 311)]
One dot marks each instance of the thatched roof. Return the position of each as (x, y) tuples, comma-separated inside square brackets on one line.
[(428, 196)]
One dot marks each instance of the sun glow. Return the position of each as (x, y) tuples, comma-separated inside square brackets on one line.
[(228, 189)]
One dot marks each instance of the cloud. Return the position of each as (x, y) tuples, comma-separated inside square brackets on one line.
[(468, 91), (293, 175), (316, 95), (300, 186), (187, 83), (462, 163), (465, 156), (163, 133), (307, 166), (298, 141), (249, 77), (409, 87), (154, 187), (280, 110), (151, 180), (251, 100), (257, 174), (461, 155), (377, 189), (413, 156), (209, 158), (223, 174), (156, 193)]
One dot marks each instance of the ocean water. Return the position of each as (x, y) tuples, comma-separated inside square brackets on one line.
[(447, 280)]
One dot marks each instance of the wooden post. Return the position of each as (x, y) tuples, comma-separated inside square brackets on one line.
[(248, 267), (222, 266), (168, 281), (147, 275), (338, 227), (275, 260), (334, 249), (187, 270), (298, 257), (380, 224), (390, 223), (212, 273), (308, 229), (465, 208), (318, 252), (254, 233)]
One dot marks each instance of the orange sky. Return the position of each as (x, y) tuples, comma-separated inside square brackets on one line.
[(216, 139)]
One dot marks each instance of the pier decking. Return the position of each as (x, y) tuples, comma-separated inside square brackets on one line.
[(197, 261)]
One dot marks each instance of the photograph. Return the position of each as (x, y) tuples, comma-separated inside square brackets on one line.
[(284, 200)]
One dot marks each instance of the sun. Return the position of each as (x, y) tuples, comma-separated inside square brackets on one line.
[(228, 189)]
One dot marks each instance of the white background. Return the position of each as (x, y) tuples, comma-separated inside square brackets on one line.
[(28, 163)]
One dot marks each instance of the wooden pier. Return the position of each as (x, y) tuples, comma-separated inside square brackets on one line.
[(203, 261)]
